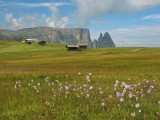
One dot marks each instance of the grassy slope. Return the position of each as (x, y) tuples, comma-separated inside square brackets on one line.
[(53, 58), (19, 61)]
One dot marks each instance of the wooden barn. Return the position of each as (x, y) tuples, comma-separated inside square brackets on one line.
[(76, 47), (72, 47), (42, 43), (82, 47), (29, 41)]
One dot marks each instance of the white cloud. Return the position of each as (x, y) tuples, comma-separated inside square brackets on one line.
[(142, 36), (26, 20), (42, 4), (45, 4), (37, 20), (55, 20), (152, 17), (88, 9)]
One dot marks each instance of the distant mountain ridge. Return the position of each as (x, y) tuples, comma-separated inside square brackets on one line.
[(103, 41), (52, 35)]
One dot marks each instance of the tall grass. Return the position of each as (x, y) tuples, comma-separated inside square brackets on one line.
[(47, 82)]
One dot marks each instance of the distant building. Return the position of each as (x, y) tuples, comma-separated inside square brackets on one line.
[(30, 40), (76, 47), (42, 43), (82, 47)]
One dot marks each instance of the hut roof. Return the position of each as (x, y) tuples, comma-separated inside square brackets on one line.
[(69, 46)]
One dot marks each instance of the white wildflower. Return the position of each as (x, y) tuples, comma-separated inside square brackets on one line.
[(110, 96), (133, 114), (67, 88), (99, 88), (124, 90), (151, 86), (149, 91), (103, 104), (122, 94), (77, 95), (137, 105), (121, 100), (118, 94), (85, 85), (88, 78), (90, 74), (91, 87), (130, 95)]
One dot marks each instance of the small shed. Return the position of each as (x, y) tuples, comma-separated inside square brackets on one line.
[(42, 43), (72, 47), (29, 41), (76, 47), (82, 47)]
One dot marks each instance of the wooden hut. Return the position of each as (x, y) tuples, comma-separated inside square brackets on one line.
[(29, 41), (82, 47), (72, 47), (42, 43), (76, 47)]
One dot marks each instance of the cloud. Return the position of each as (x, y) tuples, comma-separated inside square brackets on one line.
[(152, 17), (55, 20), (33, 5), (87, 9), (37, 20), (142, 36), (26, 20)]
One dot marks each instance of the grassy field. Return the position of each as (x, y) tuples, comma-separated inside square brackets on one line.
[(47, 82)]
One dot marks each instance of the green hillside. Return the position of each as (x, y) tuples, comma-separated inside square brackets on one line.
[(28, 74)]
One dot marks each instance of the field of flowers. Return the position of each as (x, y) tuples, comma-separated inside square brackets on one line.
[(97, 84)]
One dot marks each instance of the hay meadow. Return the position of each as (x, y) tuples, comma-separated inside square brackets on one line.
[(49, 83)]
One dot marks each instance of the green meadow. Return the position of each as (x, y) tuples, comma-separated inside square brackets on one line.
[(49, 83)]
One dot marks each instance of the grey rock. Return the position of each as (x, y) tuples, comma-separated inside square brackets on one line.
[(94, 44), (103, 41)]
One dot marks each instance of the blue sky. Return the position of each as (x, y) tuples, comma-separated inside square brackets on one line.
[(129, 22)]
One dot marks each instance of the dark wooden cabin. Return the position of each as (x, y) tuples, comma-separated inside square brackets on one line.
[(72, 47), (82, 47), (76, 47), (42, 43)]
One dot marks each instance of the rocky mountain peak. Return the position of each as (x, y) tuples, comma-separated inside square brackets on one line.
[(104, 41)]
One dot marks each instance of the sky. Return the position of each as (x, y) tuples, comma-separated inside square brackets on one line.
[(131, 23)]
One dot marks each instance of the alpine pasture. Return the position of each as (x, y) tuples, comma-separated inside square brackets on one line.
[(47, 83)]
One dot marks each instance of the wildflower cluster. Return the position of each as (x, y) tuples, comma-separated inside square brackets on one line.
[(86, 92), (132, 92)]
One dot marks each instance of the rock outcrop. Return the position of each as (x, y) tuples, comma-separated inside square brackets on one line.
[(103, 41)]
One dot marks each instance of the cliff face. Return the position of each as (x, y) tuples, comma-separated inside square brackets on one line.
[(49, 34), (103, 41)]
